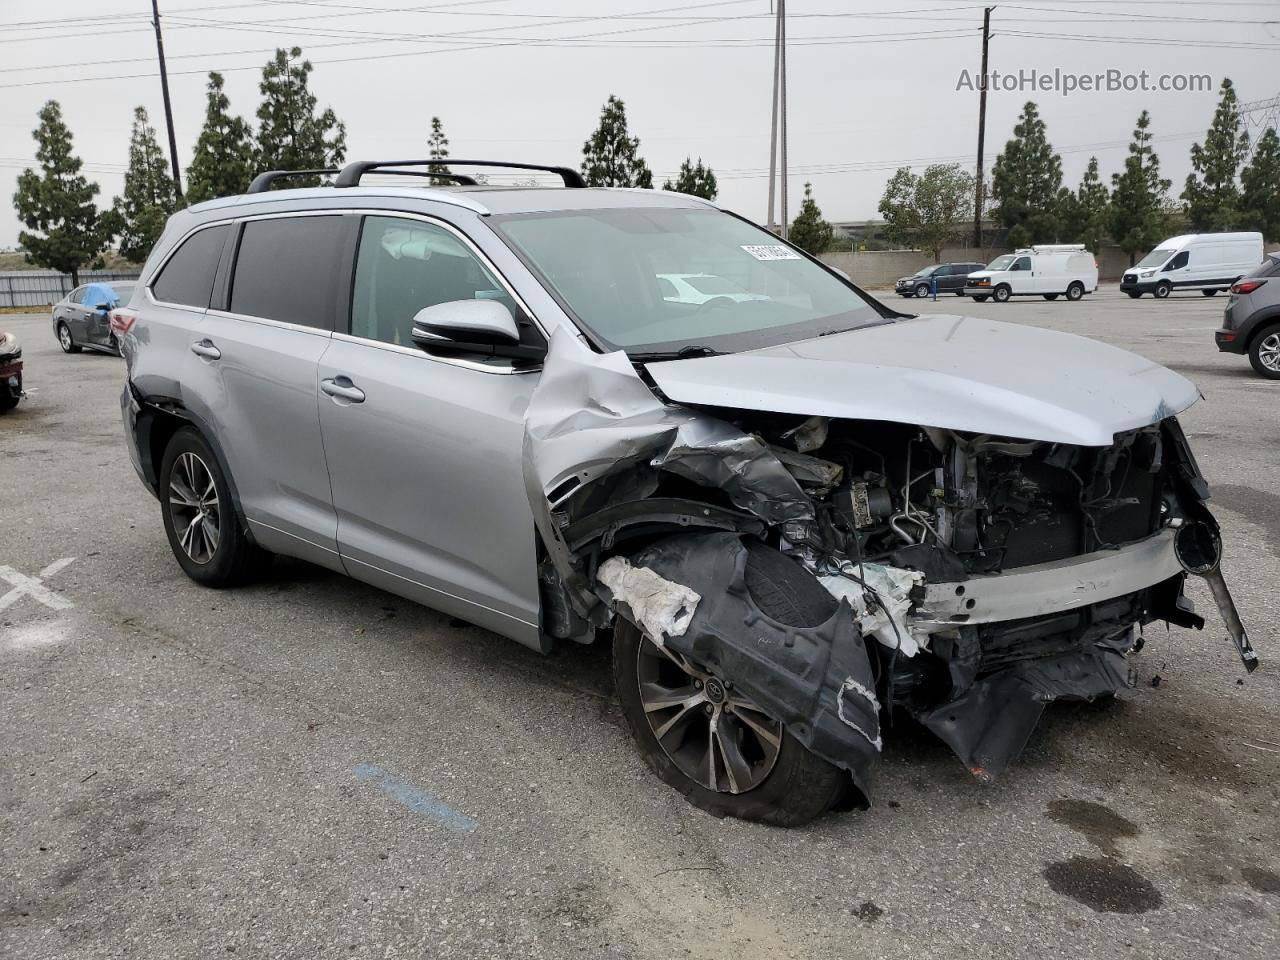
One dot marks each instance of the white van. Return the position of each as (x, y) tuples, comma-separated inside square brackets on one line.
[(1049, 270), (1207, 262)]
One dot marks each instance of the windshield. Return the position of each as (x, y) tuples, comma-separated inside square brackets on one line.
[(607, 267), (1156, 257), (1002, 263)]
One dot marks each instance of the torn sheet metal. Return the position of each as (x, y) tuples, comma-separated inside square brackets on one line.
[(817, 680), (660, 607), (591, 416), (885, 617)]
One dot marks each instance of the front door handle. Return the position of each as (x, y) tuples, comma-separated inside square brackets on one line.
[(206, 349), (342, 388)]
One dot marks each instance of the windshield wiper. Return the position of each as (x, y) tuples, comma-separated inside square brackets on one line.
[(684, 353)]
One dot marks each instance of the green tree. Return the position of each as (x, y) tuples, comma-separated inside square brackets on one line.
[(149, 197), (694, 179), (223, 162), (1086, 213), (291, 134), (438, 149), (1211, 195), (809, 231), (1139, 198), (65, 230), (1026, 183), (609, 158), (1260, 198), (929, 211)]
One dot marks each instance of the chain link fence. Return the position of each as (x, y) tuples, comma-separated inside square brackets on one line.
[(39, 288)]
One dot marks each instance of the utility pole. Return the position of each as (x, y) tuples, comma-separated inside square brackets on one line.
[(168, 109), (773, 120), (982, 129), (782, 102)]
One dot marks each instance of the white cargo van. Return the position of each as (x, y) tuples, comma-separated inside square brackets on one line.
[(1048, 270), (1207, 262)]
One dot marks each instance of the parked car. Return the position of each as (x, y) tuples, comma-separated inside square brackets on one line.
[(82, 318), (1048, 270), (950, 279), (790, 514), (1207, 262), (700, 288), (1251, 321), (10, 371)]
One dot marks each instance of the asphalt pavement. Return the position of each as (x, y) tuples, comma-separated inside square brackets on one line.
[(311, 768)]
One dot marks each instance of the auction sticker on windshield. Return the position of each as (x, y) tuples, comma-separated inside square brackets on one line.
[(771, 251)]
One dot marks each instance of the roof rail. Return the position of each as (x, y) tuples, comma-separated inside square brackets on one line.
[(263, 181), (458, 178), (352, 172)]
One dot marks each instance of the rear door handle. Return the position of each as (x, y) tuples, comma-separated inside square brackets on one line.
[(206, 349), (342, 388)]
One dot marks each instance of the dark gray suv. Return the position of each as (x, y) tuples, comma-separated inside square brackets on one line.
[(950, 278), (1251, 321)]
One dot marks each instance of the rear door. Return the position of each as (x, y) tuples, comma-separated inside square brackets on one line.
[(425, 451), (253, 374)]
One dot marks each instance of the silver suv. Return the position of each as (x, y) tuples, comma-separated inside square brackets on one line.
[(792, 512)]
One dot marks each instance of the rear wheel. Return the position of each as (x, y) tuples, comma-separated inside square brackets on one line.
[(1210, 292), (1075, 291), (7, 401), (1002, 294), (1264, 352), (1133, 294), (980, 298), (698, 733), (1162, 289), (65, 340), (1051, 296), (200, 518)]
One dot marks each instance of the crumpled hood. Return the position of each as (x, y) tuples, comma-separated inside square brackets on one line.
[(952, 372)]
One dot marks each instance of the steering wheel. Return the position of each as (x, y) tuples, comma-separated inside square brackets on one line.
[(715, 303)]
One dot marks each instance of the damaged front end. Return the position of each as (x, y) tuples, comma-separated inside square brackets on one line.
[(970, 578)]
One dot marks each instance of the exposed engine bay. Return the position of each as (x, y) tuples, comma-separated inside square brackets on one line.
[(977, 577)]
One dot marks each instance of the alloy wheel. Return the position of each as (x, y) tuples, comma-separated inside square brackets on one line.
[(716, 737), (64, 337), (194, 507), (1269, 352)]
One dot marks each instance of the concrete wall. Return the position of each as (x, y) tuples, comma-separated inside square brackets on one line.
[(879, 268)]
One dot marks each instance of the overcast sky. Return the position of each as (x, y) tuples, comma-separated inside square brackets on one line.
[(872, 84)]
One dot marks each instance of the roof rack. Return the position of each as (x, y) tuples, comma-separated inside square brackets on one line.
[(263, 181), (352, 172)]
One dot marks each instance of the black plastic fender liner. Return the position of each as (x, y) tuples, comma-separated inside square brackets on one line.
[(816, 680)]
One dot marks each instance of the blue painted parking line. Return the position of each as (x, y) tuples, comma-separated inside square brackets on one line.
[(419, 801)]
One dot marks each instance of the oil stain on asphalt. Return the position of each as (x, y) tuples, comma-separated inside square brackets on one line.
[(1102, 884)]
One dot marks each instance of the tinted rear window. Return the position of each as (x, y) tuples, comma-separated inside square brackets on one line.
[(287, 269), (188, 276), (1269, 266)]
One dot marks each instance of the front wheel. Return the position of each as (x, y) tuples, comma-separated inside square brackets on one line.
[(65, 340), (714, 746), (1162, 289), (200, 518), (1050, 296), (1075, 291), (1264, 353), (1001, 294), (922, 291), (1210, 292)]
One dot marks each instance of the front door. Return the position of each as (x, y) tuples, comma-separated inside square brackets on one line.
[(425, 452)]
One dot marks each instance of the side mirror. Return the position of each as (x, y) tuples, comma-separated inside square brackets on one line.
[(483, 327)]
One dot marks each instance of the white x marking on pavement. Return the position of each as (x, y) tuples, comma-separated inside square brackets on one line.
[(24, 586)]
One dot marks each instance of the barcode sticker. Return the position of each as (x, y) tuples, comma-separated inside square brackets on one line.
[(771, 251)]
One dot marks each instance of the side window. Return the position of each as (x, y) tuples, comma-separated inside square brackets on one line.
[(187, 277), (1022, 263), (405, 265), (77, 295), (288, 269), (1179, 261)]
